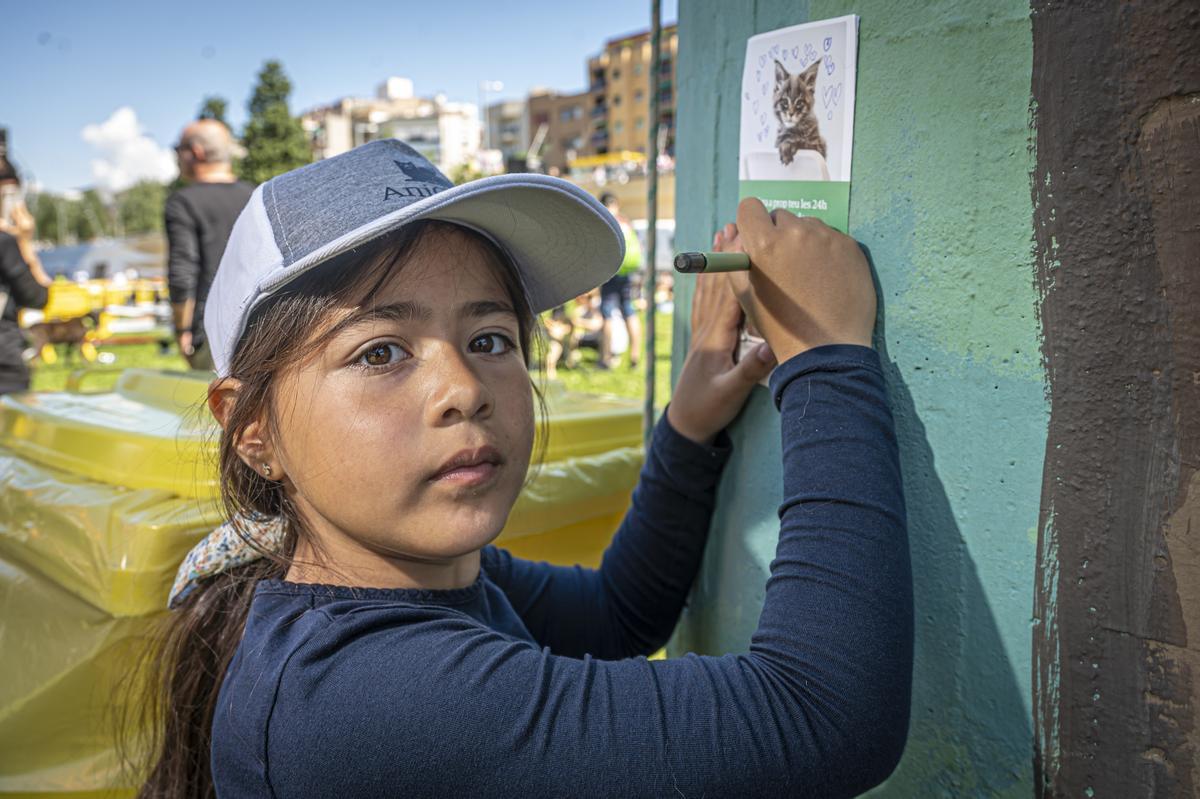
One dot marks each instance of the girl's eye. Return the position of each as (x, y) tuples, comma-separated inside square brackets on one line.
[(491, 344), (381, 354)]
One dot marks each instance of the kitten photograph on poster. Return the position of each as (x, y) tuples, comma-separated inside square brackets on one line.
[(793, 103), (797, 117)]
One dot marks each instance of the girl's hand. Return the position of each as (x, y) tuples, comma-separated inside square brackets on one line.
[(808, 284), (712, 388)]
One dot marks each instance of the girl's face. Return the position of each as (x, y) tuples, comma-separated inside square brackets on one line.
[(407, 439)]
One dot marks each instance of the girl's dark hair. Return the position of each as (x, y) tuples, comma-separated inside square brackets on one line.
[(166, 725)]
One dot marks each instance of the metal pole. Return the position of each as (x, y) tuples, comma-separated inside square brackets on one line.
[(650, 268)]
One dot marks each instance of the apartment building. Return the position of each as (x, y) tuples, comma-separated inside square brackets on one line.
[(620, 82), (447, 133), (559, 127), (507, 128)]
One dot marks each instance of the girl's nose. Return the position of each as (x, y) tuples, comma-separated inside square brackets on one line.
[(458, 393)]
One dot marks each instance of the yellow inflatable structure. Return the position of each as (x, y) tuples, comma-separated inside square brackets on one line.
[(101, 495), (107, 301)]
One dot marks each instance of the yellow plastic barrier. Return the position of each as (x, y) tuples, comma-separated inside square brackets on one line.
[(66, 300), (101, 495), (70, 299)]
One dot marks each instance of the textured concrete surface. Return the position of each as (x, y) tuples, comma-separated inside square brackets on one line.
[(941, 198), (1117, 193)]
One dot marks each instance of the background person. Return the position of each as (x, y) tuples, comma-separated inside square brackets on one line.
[(588, 325), (199, 218), (23, 282), (570, 327), (559, 332), (617, 292)]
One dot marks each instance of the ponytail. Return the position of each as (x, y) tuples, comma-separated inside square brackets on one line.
[(183, 672)]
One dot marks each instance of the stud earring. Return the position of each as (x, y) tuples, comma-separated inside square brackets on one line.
[(266, 469)]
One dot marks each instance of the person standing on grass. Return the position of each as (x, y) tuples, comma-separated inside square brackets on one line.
[(199, 218), (23, 282), (617, 292)]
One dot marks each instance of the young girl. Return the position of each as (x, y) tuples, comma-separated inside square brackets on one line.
[(353, 633)]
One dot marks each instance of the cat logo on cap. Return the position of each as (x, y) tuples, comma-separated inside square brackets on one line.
[(416, 173)]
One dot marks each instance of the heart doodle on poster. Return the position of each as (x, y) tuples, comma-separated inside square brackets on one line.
[(828, 43), (831, 95), (796, 51), (828, 65)]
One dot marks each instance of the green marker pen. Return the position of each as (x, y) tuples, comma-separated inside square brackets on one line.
[(696, 262)]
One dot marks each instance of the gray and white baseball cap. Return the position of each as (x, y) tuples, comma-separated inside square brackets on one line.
[(561, 239)]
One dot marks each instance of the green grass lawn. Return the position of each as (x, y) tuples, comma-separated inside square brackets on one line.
[(97, 376), (620, 381)]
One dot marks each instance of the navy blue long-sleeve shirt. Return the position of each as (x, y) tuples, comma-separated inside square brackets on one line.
[(531, 681)]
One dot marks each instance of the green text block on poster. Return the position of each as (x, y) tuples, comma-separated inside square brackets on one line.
[(827, 200)]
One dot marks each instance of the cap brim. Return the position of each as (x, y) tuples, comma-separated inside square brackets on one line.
[(563, 241)]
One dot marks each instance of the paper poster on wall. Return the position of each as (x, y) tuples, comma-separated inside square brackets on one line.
[(797, 128), (797, 131)]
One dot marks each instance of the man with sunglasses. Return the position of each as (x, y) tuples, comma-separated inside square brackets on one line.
[(199, 218)]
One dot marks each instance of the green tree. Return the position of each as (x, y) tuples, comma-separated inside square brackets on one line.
[(273, 139), (91, 218), (51, 224), (213, 107), (140, 207), (463, 173)]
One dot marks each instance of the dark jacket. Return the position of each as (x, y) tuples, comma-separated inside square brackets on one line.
[(19, 290)]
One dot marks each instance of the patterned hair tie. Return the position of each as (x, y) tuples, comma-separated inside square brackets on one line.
[(239, 541)]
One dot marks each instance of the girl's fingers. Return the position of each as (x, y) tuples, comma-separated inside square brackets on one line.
[(755, 366), (739, 283), (699, 300), (718, 316), (729, 313)]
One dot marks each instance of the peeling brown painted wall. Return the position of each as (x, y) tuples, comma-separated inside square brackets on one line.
[(1116, 191)]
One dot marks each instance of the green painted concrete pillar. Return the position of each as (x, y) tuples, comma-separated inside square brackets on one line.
[(941, 198)]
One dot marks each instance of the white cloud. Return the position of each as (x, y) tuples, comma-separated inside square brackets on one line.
[(126, 154)]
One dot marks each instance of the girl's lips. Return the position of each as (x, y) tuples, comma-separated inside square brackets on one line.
[(468, 475), (470, 467)]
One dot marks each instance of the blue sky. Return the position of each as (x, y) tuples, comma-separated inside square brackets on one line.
[(71, 64)]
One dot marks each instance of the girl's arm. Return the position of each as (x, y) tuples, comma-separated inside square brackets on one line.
[(435, 705), (631, 604)]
